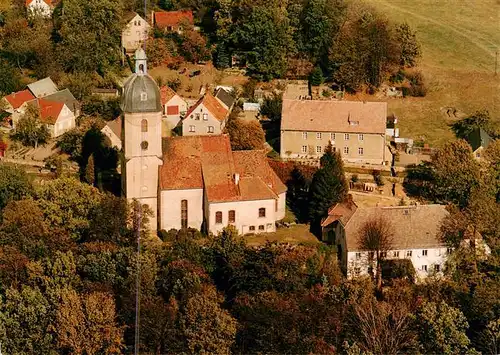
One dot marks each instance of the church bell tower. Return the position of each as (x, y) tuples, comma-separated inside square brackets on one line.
[(142, 141)]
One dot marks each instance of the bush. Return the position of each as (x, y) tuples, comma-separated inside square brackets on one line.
[(377, 177), (354, 177), (108, 109), (417, 82), (398, 77)]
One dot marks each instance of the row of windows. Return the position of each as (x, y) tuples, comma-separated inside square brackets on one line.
[(261, 227), (395, 254), (210, 129), (232, 215), (320, 149), (347, 136), (197, 116), (437, 268)]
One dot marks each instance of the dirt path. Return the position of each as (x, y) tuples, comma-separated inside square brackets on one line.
[(472, 37)]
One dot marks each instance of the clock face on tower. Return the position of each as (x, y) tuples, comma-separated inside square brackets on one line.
[(144, 145)]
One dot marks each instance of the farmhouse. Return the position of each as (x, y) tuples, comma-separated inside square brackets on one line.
[(355, 129), (173, 21), (134, 34), (206, 117), (195, 181), (416, 236)]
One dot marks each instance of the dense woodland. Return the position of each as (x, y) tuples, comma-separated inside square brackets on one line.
[(69, 266)]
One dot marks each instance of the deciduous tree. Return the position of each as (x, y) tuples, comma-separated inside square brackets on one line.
[(15, 184), (30, 130), (244, 135)]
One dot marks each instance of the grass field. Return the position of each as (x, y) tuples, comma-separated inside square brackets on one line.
[(459, 39)]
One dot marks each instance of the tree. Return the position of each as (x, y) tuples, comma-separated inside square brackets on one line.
[(90, 171), (407, 41), (492, 162), (271, 107), (68, 203), (316, 77), (25, 316), (88, 34), (157, 51), (442, 329), (194, 45), (15, 184), (10, 80), (86, 324), (30, 130), (244, 135), (328, 186), (480, 119), (376, 237)]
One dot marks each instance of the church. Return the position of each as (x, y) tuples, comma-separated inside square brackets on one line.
[(192, 181)]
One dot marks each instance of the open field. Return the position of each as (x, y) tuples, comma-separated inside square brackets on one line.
[(459, 39)]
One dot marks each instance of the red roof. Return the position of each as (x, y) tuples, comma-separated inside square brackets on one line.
[(49, 110), (164, 19), (48, 2), (212, 105), (197, 162), (166, 94), (17, 99)]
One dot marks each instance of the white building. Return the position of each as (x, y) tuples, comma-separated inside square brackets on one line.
[(196, 181), (206, 117), (134, 34), (174, 106), (113, 130), (41, 8), (416, 236)]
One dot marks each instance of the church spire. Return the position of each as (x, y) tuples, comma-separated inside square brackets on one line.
[(141, 66)]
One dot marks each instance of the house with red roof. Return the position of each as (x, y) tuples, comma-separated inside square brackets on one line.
[(174, 106), (173, 21), (206, 185), (55, 115), (207, 116), (42, 8), (15, 100)]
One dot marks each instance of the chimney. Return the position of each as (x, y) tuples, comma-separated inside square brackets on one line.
[(236, 178)]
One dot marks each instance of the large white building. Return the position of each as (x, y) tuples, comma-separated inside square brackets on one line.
[(195, 181), (416, 236)]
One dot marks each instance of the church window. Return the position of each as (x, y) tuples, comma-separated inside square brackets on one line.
[(232, 216), (184, 214), (218, 217), (144, 96), (144, 125), (262, 212), (144, 145)]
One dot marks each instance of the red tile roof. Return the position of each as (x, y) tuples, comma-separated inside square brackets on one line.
[(213, 106), (17, 99), (49, 110), (166, 94), (208, 162), (341, 211), (48, 2), (164, 19)]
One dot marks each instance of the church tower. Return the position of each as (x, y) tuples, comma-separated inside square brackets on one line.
[(142, 139)]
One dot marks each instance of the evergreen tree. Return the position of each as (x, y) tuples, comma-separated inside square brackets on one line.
[(222, 59), (316, 77), (328, 186), (90, 170)]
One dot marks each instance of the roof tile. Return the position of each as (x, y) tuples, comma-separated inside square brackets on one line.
[(172, 18), (17, 99)]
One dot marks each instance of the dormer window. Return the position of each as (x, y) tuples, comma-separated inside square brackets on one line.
[(144, 96)]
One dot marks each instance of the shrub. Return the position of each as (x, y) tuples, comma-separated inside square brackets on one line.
[(377, 177), (354, 177)]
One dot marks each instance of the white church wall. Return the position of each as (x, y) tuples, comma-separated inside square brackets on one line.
[(170, 208)]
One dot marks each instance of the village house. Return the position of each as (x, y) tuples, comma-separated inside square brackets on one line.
[(206, 117), (41, 8), (65, 96), (113, 130), (55, 115), (197, 181), (173, 21), (416, 236), (134, 34), (356, 130), (174, 106), (225, 98), (43, 87), (479, 141)]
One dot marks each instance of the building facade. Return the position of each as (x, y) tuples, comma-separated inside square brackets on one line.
[(135, 33), (174, 107), (416, 236), (206, 117), (194, 181), (355, 129)]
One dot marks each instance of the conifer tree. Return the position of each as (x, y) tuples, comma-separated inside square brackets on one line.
[(328, 186), (90, 170)]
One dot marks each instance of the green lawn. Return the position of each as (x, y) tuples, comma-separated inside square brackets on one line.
[(297, 234), (459, 39)]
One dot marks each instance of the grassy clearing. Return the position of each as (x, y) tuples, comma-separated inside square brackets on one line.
[(297, 234), (459, 39)]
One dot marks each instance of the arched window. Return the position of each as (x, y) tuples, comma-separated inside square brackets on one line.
[(144, 145), (218, 217), (184, 214), (232, 216), (144, 125), (262, 212), (141, 68)]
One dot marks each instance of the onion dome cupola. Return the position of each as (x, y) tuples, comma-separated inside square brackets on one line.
[(141, 93)]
